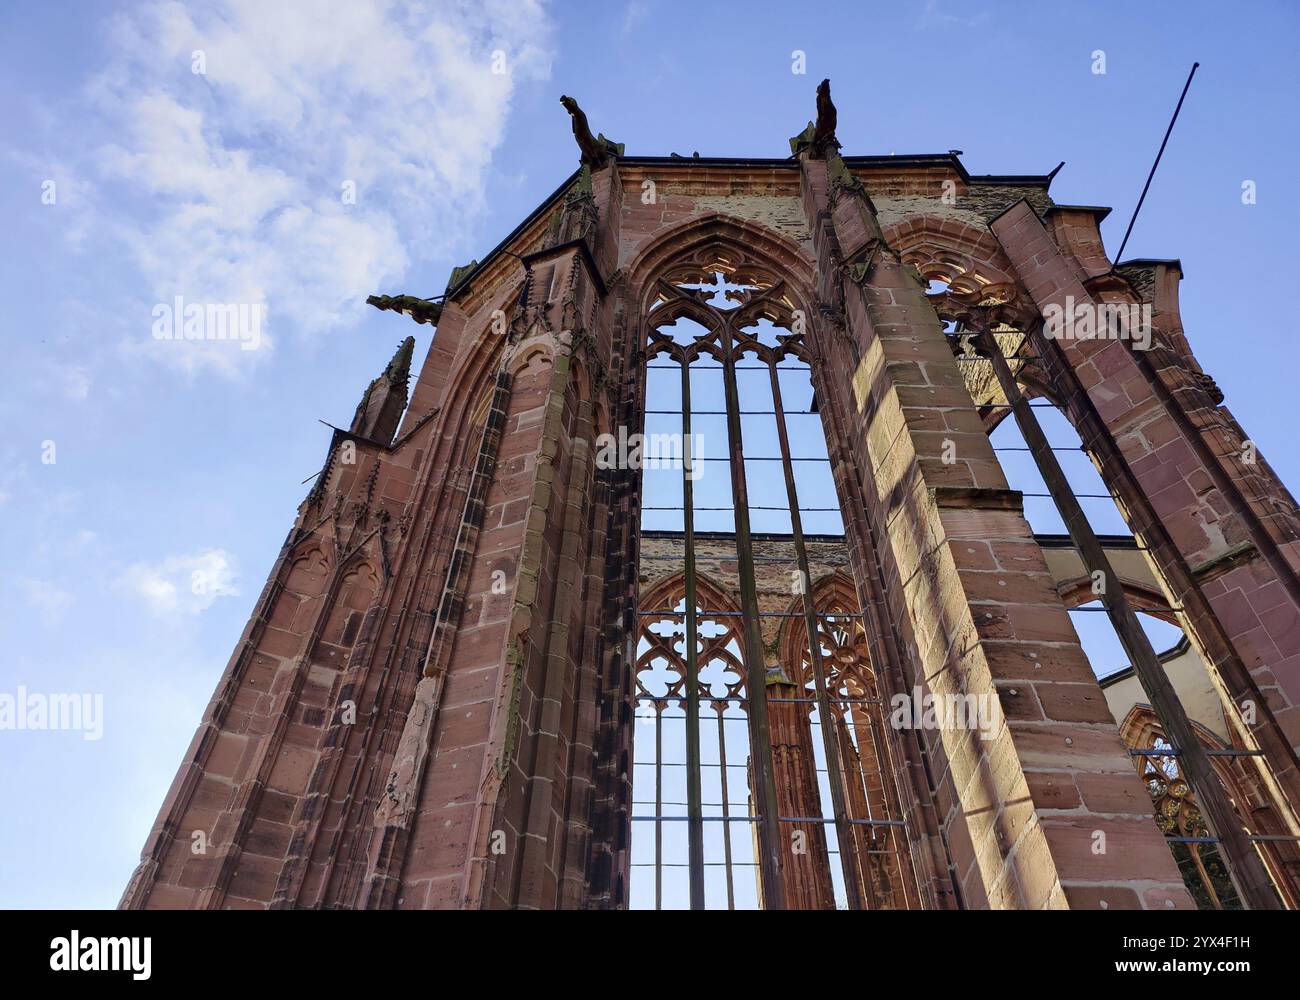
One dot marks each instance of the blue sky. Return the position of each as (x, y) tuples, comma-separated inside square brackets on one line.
[(177, 462)]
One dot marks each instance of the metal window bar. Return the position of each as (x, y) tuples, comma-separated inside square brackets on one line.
[(747, 818), (659, 830), (695, 835), (806, 510), (778, 458), (980, 357), (682, 763), (831, 748), (824, 510), (726, 809), (674, 613), (773, 891), (789, 561), (1263, 838), (815, 413), (1208, 751), (740, 368), (740, 699)]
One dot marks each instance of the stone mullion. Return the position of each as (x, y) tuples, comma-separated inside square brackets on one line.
[(929, 859), (879, 795), (806, 874)]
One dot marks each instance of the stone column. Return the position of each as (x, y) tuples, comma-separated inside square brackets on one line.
[(806, 872), (1026, 799), (1222, 532)]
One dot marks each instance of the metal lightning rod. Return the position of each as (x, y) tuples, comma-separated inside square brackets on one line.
[(1120, 256)]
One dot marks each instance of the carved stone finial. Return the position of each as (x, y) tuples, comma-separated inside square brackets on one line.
[(398, 372), (459, 274), (420, 310), (827, 117), (819, 135), (596, 151)]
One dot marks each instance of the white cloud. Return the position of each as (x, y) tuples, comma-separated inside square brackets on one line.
[(76, 382), (49, 599), (933, 17), (633, 14), (182, 584), (232, 180)]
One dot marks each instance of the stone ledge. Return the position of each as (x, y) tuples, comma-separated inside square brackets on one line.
[(977, 498), (1211, 569)]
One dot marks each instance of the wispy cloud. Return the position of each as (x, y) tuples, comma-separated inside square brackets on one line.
[(181, 584), (48, 598), (933, 17), (299, 154), (633, 14)]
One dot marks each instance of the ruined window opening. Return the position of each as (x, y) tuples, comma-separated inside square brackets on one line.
[(660, 856), (858, 716), (1023, 474), (813, 816), (1026, 471)]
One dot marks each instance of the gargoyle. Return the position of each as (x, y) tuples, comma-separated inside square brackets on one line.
[(596, 150), (819, 135), (824, 132), (420, 310)]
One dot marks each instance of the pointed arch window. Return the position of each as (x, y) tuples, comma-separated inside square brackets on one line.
[(1180, 820), (1007, 360), (729, 377), (660, 866), (858, 717)]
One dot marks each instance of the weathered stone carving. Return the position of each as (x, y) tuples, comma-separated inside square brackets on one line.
[(420, 310), (596, 150), (576, 219), (820, 135)]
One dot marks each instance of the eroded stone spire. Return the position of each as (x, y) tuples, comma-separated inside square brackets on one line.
[(385, 398), (820, 135)]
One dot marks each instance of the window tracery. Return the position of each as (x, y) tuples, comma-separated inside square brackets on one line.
[(1180, 820)]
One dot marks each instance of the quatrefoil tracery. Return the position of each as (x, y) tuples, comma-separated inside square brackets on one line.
[(743, 306), (661, 668)]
